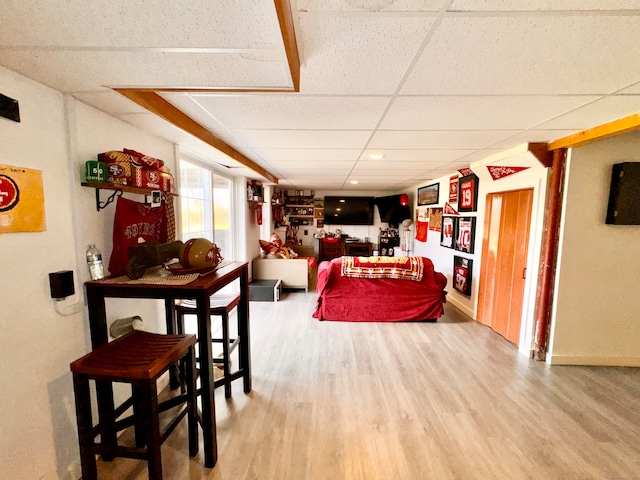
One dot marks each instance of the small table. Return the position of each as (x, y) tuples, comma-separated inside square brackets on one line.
[(199, 290)]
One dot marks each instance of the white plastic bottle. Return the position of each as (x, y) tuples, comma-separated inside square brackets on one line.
[(94, 262)]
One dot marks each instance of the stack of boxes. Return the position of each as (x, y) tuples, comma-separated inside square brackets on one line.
[(128, 167)]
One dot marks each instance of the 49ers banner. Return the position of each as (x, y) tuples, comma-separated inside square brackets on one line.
[(21, 200)]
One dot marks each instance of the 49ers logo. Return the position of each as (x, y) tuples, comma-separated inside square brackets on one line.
[(116, 170), (153, 176), (9, 193)]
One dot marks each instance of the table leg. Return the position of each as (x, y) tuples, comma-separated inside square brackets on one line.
[(172, 329), (104, 390), (206, 381), (244, 330)]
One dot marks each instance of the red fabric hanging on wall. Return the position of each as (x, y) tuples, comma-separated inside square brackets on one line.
[(134, 222)]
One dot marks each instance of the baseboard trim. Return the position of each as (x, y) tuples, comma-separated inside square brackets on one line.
[(466, 310), (595, 361)]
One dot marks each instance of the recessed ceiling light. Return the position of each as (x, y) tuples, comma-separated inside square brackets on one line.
[(376, 156), (354, 182)]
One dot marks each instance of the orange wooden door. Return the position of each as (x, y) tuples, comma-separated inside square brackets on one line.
[(504, 260)]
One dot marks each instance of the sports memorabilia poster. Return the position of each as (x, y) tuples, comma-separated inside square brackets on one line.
[(435, 219), (448, 231), (465, 235), (462, 271), (21, 200), (422, 224)]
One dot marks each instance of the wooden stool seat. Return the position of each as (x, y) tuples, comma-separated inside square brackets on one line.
[(220, 305), (137, 358)]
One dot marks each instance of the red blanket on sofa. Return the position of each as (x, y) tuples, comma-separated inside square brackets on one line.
[(357, 299)]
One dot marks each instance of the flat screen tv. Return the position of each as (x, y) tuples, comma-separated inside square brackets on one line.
[(391, 211), (348, 210)]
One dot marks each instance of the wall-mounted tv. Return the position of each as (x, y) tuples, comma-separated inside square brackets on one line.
[(390, 209), (348, 210)]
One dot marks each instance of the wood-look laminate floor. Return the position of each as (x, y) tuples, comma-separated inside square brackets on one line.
[(446, 400)]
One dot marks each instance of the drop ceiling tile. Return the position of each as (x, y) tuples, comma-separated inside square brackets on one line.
[(328, 166), (533, 136), (528, 55), (633, 89), (152, 123), (315, 6), (540, 5), (357, 55), (477, 112), (414, 155), (307, 154), (205, 152), (292, 111), (147, 23), (374, 166), (596, 113), (340, 139), (109, 101), (59, 69), (430, 139)]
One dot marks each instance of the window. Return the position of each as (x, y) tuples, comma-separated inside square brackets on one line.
[(206, 205)]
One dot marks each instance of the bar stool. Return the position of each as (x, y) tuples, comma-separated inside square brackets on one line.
[(221, 305), (137, 358)]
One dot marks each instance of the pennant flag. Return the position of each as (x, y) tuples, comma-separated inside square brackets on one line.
[(449, 210), (465, 171), (501, 172)]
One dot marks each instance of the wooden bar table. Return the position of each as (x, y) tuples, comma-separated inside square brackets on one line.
[(199, 290)]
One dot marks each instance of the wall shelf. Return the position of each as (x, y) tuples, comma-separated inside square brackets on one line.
[(118, 189)]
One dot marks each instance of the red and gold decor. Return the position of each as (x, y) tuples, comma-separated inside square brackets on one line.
[(498, 172)]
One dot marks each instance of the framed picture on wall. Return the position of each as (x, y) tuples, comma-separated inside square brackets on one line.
[(462, 272), (465, 234), (429, 195), (448, 231), (468, 193)]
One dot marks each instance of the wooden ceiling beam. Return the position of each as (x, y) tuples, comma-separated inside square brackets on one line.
[(162, 108), (601, 132)]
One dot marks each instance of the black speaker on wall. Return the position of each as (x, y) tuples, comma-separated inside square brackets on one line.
[(624, 196)]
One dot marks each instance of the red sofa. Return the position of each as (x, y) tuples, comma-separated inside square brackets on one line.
[(351, 299)]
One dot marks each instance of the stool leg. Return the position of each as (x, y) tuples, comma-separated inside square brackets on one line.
[(175, 375), (192, 393), (139, 408), (85, 426), (225, 355), (151, 419)]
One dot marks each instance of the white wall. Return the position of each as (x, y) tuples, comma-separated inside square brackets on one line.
[(37, 428), (596, 316), (534, 177)]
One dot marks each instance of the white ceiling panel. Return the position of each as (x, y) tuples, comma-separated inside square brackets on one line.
[(633, 89), (150, 122), (293, 111), (529, 55), (307, 154), (369, 5), (477, 112), (140, 23), (602, 111), (415, 155), (541, 5), (533, 136), (109, 101), (429, 139), (140, 68), (413, 167), (358, 55), (341, 139)]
